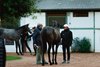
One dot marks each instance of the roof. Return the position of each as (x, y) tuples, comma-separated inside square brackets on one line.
[(68, 4)]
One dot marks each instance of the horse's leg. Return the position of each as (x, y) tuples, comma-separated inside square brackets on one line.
[(52, 54), (42, 57), (16, 48), (49, 48), (19, 47), (22, 45), (56, 54)]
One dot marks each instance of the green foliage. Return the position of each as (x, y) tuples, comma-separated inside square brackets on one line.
[(85, 45), (82, 45), (9, 58), (12, 10), (10, 22), (75, 47), (17, 8)]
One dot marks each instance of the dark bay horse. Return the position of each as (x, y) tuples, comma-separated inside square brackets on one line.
[(51, 36), (14, 34)]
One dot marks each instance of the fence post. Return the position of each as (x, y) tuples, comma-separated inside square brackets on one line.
[(2, 53)]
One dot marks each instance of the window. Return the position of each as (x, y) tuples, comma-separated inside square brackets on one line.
[(80, 14), (60, 18)]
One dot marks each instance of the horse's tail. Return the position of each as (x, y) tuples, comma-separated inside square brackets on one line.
[(43, 45)]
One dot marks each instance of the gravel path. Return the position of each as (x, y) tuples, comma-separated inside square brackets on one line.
[(77, 60)]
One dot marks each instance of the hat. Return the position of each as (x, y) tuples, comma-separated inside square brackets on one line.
[(65, 25)]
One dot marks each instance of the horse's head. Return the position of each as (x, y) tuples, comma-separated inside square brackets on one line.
[(24, 28)]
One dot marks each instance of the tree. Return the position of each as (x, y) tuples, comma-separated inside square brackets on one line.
[(11, 10)]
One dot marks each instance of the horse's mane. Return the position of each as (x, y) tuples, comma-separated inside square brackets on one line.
[(21, 27)]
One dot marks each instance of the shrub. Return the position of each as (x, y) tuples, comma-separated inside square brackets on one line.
[(75, 47), (85, 45), (82, 45)]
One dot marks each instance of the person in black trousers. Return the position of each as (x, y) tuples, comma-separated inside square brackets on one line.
[(67, 38), (24, 43)]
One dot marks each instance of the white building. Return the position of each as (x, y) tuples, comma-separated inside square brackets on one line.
[(82, 16)]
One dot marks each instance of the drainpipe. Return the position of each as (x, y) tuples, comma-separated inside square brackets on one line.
[(0, 21), (94, 29)]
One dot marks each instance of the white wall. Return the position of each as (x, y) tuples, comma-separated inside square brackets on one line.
[(80, 22), (38, 18), (97, 41), (97, 19), (97, 32), (85, 33), (10, 48)]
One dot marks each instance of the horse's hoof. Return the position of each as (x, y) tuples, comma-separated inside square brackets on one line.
[(50, 63), (17, 53), (56, 63), (31, 54), (42, 64), (22, 53)]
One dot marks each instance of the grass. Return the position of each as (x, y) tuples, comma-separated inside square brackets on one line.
[(9, 58)]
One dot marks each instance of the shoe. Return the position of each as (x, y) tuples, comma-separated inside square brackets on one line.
[(34, 54), (63, 62), (38, 63), (45, 62), (68, 62), (31, 54)]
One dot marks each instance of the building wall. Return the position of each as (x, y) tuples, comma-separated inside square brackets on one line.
[(88, 27), (80, 22), (34, 20), (97, 31), (82, 27), (10, 48)]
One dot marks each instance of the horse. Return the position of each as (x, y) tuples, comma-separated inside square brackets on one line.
[(14, 34), (51, 36)]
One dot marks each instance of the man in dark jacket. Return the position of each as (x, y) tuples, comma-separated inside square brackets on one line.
[(38, 43), (67, 37), (33, 42)]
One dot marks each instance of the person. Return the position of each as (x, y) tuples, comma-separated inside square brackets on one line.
[(24, 37), (37, 43), (67, 38), (34, 42), (56, 25)]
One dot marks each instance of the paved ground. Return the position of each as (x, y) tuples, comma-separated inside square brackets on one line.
[(77, 60)]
